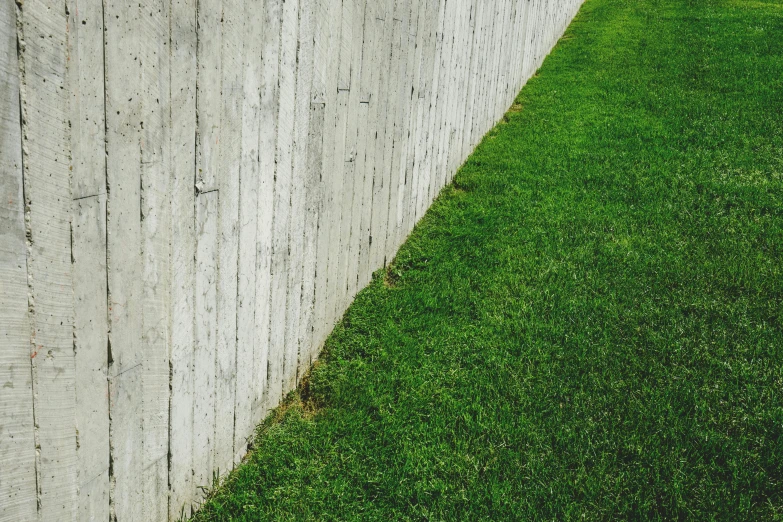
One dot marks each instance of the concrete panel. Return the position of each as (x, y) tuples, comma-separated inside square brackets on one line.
[(43, 53), (183, 249), (18, 495)]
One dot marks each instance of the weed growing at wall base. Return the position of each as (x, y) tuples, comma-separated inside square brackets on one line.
[(587, 323)]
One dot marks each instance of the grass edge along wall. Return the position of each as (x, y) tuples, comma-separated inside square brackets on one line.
[(192, 193)]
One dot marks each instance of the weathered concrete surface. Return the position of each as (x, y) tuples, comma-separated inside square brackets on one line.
[(18, 496), (191, 194)]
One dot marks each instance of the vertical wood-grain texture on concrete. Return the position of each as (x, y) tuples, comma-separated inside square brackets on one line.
[(192, 192), (46, 142), (88, 185), (182, 268), (18, 496)]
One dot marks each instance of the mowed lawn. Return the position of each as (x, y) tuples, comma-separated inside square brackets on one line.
[(588, 324)]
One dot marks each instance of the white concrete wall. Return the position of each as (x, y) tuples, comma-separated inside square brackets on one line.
[(191, 194)]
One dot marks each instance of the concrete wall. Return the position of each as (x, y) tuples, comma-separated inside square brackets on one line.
[(191, 193)]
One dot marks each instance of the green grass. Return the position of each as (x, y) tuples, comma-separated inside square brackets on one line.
[(587, 324)]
